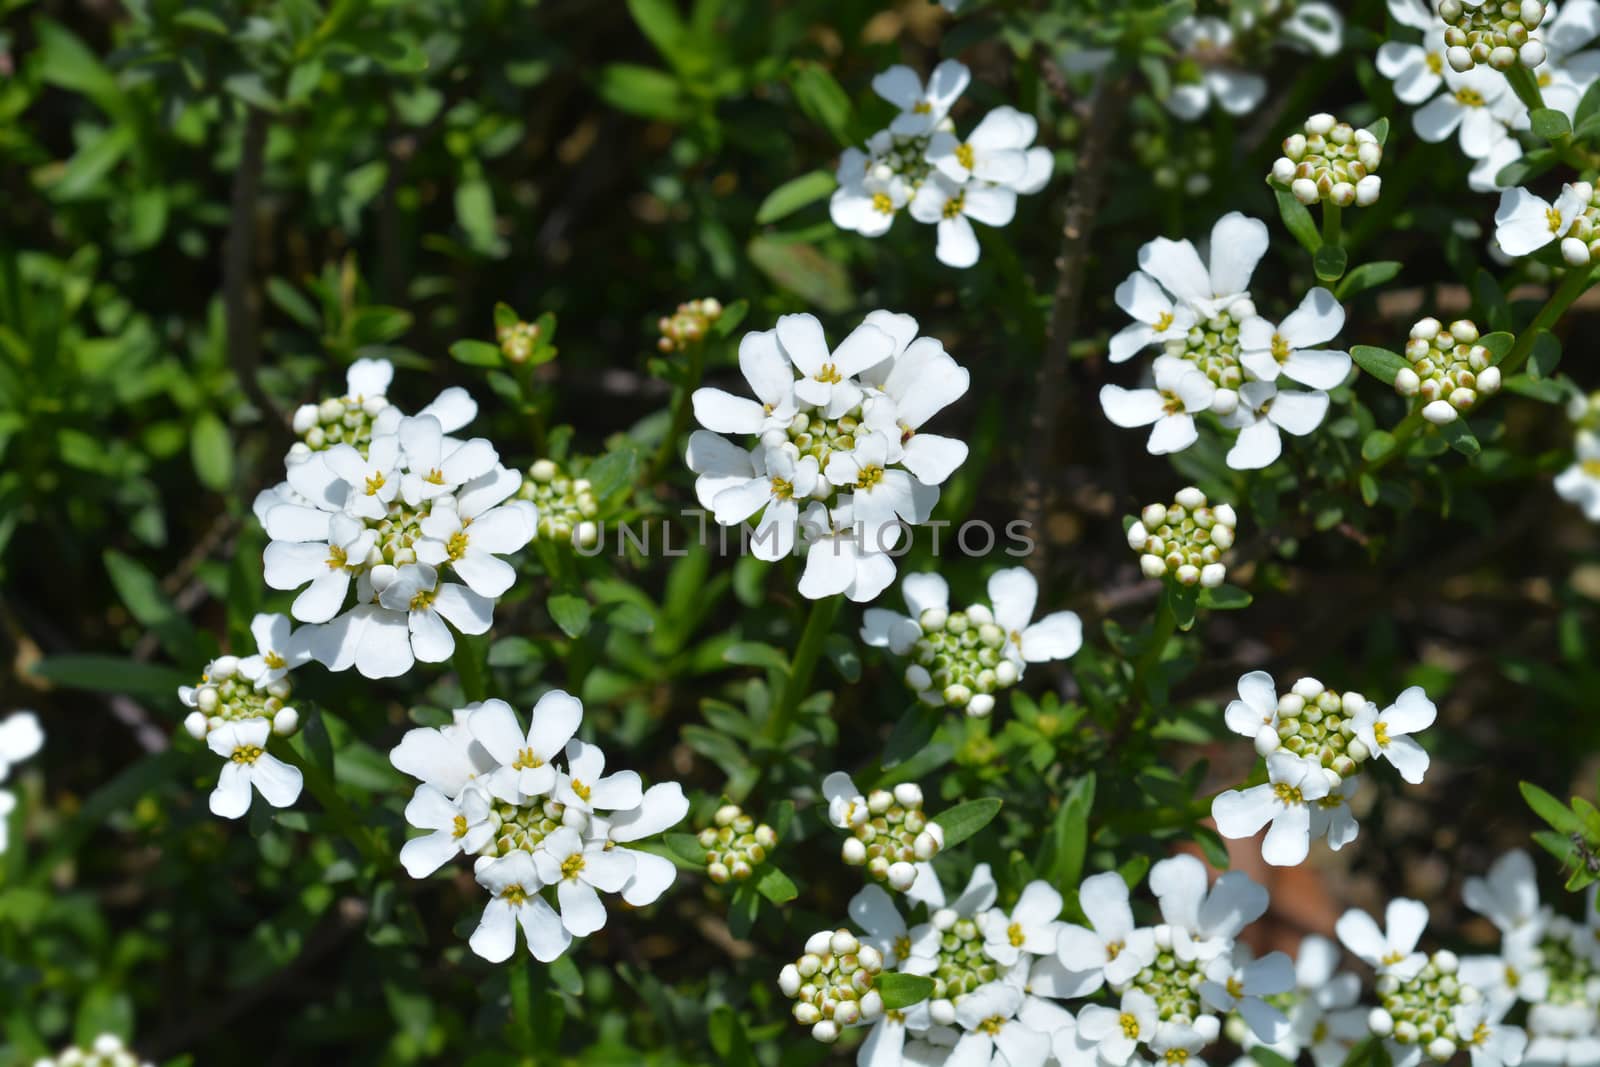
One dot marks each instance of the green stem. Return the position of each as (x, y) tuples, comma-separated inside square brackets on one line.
[(323, 787), (524, 374), (1332, 216), (1161, 631), (471, 670), (1526, 86), (818, 625), (681, 407), (1572, 286), (522, 1022), (1407, 428)]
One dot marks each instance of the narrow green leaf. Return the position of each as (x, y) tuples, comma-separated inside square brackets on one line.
[(775, 885), (1367, 276), (211, 449), (1381, 363), (1225, 598), (1558, 815), (1380, 130), (1298, 220), (757, 654), (1378, 443), (1549, 123), (571, 613), (644, 91), (476, 354), (687, 848), (1461, 437), (795, 194), (964, 820), (901, 990), (823, 100), (112, 674)]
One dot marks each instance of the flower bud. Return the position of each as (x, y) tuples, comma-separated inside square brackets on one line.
[(789, 980), (1439, 412), (901, 876), (286, 722), (853, 852), (196, 726), (980, 706)]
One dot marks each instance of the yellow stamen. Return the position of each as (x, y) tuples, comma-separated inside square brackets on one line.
[(965, 156), (869, 477), (375, 482), (246, 754), (1287, 793), (572, 865)]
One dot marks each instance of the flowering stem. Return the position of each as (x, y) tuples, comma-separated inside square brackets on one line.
[(522, 1022), (470, 669), (1403, 432), (326, 790), (1161, 631), (1526, 86), (818, 625), (1332, 217), (1572, 286), (681, 406)]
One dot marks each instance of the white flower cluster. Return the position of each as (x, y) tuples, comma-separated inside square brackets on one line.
[(1315, 741), (1185, 539), (1525, 222), (1427, 1005), (1448, 368), (391, 505), (1332, 161), (919, 163), (493, 790), (1218, 355), (238, 705), (890, 835), (1546, 961), (20, 737), (735, 844), (107, 1050), (1478, 103), (963, 658), (1211, 68), (1158, 991), (1580, 483), (565, 506), (832, 985), (837, 431), (1496, 32)]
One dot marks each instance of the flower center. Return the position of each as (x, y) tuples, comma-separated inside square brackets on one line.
[(1591, 467), (460, 828), (336, 557), (1280, 348), (246, 754), (1113, 949), (953, 206), (869, 477), (882, 204), (922, 107), (1380, 734), (782, 490), (964, 155), (1176, 1055), (274, 661), (1435, 63), (434, 477), (1287, 794), (1480, 1034), (572, 865), (457, 545), (1163, 322), (1469, 98), (829, 374), (992, 1024), (527, 760), (423, 599), (514, 895), (1130, 1025), (1015, 935), (1552, 218), (1235, 988), (375, 482), (582, 789)]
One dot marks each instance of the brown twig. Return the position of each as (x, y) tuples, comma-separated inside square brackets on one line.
[(1050, 384)]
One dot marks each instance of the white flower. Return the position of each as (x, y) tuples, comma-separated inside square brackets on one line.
[(1158, 318), (1580, 483), (1385, 734), (427, 604), (1509, 896), (1318, 26), (989, 153), (1241, 987), (1237, 244), (277, 651), (771, 379), (1255, 713), (1283, 801), (922, 108), (1324, 1018), (1525, 223), (1169, 409), (988, 1015), (515, 885), (586, 787), (243, 747), (1017, 129), (436, 466), (1485, 174), (1562, 1035), (827, 379), (471, 543), (1389, 951), (954, 207), (920, 381), (1115, 1033), (373, 480), (778, 482), (524, 757), (1517, 973), (328, 563), (1467, 106), (1031, 926), (1112, 950), (874, 911), (1331, 816), (448, 757), (662, 807), (841, 557), (866, 200), (580, 871), (1013, 592), (1264, 410), (459, 825), (1417, 70), (1235, 91), (1490, 1042), (1212, 914), (20, 737), (880, 495), (1289, 349)]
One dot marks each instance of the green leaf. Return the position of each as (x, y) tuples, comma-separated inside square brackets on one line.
[(900, 990), (775, 885), (729, 1039), (1498, 343), (141, 593), (1225, 598), (211, 449), (1549, 123), (1380, 130), (1268, 1058), (1558, 815), (476, 354), (645, 91), (964, 820), (1381, 363), (112, 674), (757, 654), (1588, 106), (1182, 599), (795, 194), (612, 473), (1061, 860), (687, 848), (1460, 436), (1329, 262), (1298, 220), (1378, 443), (1544, 390), (1367, 276), (804, 271), (1545, 355), (571, 613), (564, 972), (823, 100)]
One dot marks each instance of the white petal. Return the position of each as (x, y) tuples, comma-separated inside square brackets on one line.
[(1056, 636), (1129, 408)]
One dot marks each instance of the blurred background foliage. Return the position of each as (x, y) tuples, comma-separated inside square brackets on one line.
[(208, 210)]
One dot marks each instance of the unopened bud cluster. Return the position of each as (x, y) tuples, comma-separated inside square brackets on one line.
[(1421, 1011), (1213, 347), (832, 985), (959, 660), (735, 845), (224, 695), (517, 340), (523, 827), (336, 421), (107, 1051), (687, 325), (566, 506), (1449, 369), (960, 963), (1581, 245), (1185, 539), (1496, 32), (1330, 161), (1172, 980), (1315, 722), (889, 834)]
